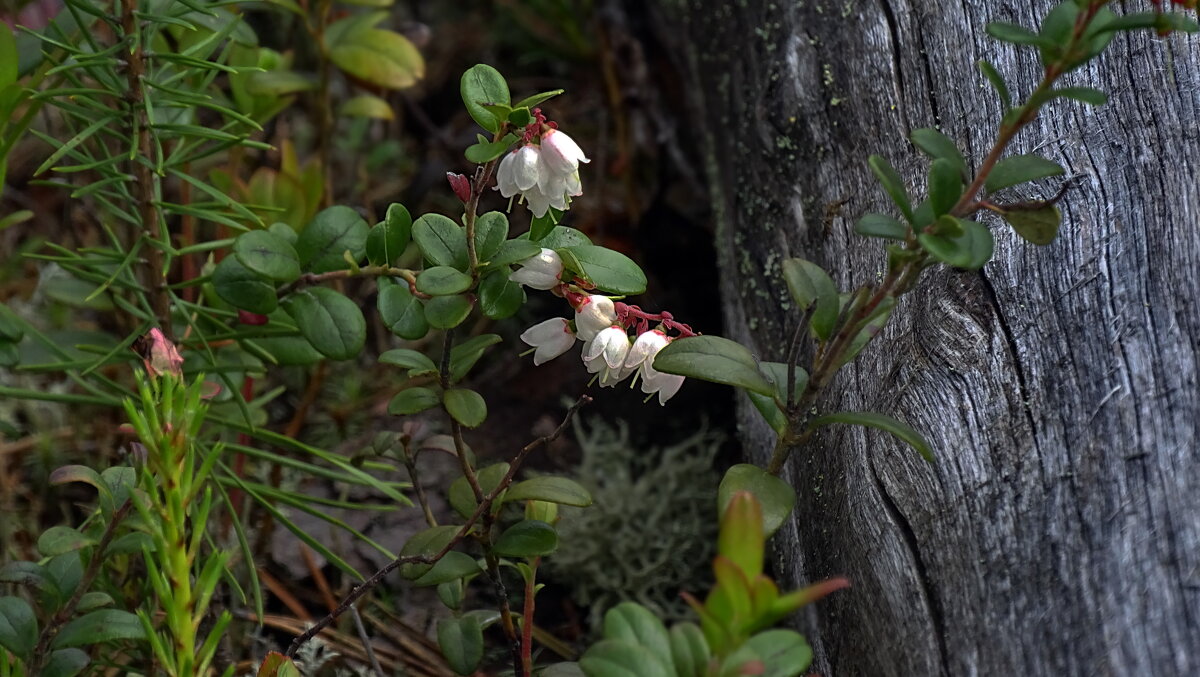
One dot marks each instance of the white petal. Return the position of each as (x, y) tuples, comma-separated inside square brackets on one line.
[(505, 181), (525, 167)]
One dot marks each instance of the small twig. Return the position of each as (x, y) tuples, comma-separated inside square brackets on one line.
[(366, 641), (410, 462), (485, 506), (89, 575), (307, 279)]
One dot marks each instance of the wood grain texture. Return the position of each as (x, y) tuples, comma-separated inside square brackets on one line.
[(1059, 531)]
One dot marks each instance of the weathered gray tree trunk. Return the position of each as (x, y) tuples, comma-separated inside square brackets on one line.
[(1059, 531)]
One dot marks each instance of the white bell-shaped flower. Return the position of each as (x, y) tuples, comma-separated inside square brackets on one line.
[(560, 153), (541, 271), (644, 349), (594, 314), (550, 339), (605, 355)]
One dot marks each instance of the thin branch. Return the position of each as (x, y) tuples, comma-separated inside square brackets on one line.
[(366, 641), (485, 506)]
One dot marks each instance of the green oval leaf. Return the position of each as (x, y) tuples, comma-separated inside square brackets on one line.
[(65, 663), (491, 231), (413, 400), (452, 566), (968, 251), (500, 297), (608, 270), (326, 239), (881, 422), (447, 312), (945, 186), (268, 255), (425, 543), (242, 288), (782, 653), (442, 281), (634, 623), (381, 57), (58, 540), (551, 489), (715, 359), (1039, 226), (387, 240), (441, 240), (527, 538), (367, 106), (462, 499), (482, 85), (811, 286), (892, 184), (18, 626), (105, 625), (617, 658), (1015, 34), (461, 642), (464, 355), (559, 237), (776, 497), (415, 362), (401, 311), (997, 81), (511, 252), (938, 146), (1019, 169), (466, 406), (881, 225), (689, 650), (332, 323)]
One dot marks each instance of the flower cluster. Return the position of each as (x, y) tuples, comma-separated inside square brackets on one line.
[(544, 169), (608, 350)]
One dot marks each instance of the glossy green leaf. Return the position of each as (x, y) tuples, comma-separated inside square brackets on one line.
[(60, 539), (511, 252), (447, 312), (442, 281), (78, 473), (367, 106), (461, 642), (65, 663), (527, 538), (997, 81), (466, 406), (776, 497), (881, 225), (481, 85), (279, 83), (242, 288), (332, 323), (968, 251), (550, 489), (500, 297), (382, 58), (441, 240), (1039, 226), (531, 101), (881, 422), (413, 401), (406, 358), (715, 359), (94, 600), (634, 623), (608, 270), (811, 287), (491, 231), (1019, 169), (486, 151), (945, 185), (783, 653), (1088, 95), (267, 255), (326, 239), (620, 658), (938, 146), (875, 324), (464, 355), (105, 625), (452, 566), (892, 184), (541, 226), (689, 650), (777, 374), (559, 237), (462, 499), (425, 543), (1015, 34), (400, 311), (18, 625), (387, 240)]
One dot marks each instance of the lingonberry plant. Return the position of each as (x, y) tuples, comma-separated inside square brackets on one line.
[(208, 315)]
